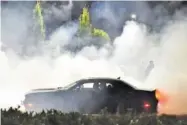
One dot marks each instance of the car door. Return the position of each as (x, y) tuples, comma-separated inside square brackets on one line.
[(74, 97), (81, 96), (120, 93), (90, 99), (102, 95)]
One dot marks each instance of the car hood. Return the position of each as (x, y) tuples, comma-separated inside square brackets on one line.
[(44, 90)]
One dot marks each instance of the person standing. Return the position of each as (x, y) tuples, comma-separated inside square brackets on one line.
[(149, 68)]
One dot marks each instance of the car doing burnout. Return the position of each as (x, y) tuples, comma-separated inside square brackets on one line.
[(91, 96)]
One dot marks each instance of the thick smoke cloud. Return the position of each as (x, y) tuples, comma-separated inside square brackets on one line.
[(170, 72), (129, 56)]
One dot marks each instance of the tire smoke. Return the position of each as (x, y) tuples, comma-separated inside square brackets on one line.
[(129, 56)]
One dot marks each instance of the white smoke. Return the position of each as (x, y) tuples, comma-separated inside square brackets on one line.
[(131, 54), (170, 72), (60, 13)]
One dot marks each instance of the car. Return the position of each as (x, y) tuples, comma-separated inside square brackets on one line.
[(91, 95)]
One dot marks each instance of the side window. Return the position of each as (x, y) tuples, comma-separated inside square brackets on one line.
[(84, 86), (88, 85)]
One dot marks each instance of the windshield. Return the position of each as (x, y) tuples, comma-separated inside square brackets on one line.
[(70, 85)]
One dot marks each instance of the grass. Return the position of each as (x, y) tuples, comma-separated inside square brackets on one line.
[(13, 116)]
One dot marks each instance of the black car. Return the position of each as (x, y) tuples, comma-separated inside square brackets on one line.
[(91, 96)]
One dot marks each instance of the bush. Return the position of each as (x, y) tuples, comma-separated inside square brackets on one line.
[(53, 117)]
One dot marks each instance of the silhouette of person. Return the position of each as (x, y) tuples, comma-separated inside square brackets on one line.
[(149, 68)]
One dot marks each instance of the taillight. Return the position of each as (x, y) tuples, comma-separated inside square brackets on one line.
[(146, 105)]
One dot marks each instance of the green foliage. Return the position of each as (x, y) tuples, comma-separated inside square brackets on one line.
[(84, 19), (99, 32), (85, 25), (38, 16), (53, 117)]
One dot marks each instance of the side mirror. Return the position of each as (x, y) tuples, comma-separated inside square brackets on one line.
[(76, 89)]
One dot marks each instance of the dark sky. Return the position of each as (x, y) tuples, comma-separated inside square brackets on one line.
[(107, 15), (146, 12)]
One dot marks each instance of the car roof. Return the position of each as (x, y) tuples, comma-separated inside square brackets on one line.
[(90, 79), (99, 79), (130, 82), (135, 84)]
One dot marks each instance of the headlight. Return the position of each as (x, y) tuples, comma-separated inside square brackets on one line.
[(28, 105)]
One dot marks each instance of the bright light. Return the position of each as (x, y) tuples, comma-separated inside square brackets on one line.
[(133, 16), (146, 105), (161, 97)]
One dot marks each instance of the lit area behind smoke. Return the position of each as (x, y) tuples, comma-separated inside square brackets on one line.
[(133, 16), (131, 54), (171, 71)]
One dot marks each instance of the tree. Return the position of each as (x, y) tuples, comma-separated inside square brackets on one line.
[(38, 16), (85, 25)]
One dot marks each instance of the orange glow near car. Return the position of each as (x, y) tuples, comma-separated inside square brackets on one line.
[(161, 96)]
